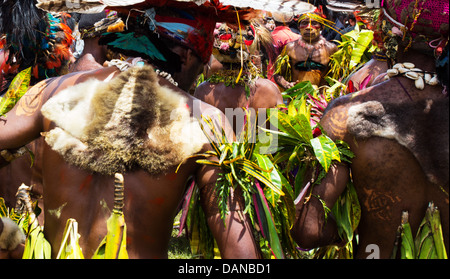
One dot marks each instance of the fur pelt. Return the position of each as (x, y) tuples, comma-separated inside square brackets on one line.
[(128, 123), (11, 235), (422, 127)]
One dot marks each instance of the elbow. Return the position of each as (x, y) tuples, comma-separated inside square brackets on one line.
[(306, 239), (310, 234)]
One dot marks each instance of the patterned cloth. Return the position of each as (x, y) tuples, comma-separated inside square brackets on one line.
[(421, 17)]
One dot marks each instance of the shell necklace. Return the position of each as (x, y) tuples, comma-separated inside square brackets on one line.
[(409, 70)]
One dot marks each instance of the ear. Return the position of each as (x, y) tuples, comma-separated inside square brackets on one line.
[(183, 53), (191, 56)]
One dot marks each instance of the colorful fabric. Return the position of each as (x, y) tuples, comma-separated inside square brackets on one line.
[(282, 35), (421, 17), (191, 29)]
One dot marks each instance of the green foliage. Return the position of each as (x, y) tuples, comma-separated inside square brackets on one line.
[(265, 191), (300, 152), (354, 50), (429, 240), (16, 90)]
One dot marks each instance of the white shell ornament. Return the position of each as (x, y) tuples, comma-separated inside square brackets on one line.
[(419, 83), (412, 75), (392, 72), (409, 65), (434, 80)]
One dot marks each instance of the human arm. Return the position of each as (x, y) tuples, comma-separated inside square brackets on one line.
[(22, 124), (282, 82), (233, 234), (283, 67), (312, 229)]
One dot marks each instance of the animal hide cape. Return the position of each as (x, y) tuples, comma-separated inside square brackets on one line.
[(422, 127), (126, 124)]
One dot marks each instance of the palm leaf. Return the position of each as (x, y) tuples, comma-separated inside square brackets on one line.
[(267, 222), (70, 248), (272, 175), (252, 169)]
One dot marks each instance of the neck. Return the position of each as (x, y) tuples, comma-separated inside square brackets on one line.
[(92, 47), (311, 41)]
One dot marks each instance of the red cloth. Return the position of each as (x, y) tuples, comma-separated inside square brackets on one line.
[(282, 35)]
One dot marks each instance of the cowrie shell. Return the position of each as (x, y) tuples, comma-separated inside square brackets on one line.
[(402, 70), (427, 77), (418, 71), (409, 65), (398, 65), (433, 81), (413, 75), (419, 83), (392, 72)]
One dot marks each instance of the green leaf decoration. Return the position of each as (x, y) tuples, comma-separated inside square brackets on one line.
[(18, 87), (266, 219), (113, 246), (325, 150), (70, 247)]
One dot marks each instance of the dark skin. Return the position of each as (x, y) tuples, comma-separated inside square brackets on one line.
[(93, 56), (20, 171), (374, 68), (310, 31), (151, 201), (264, 94), (387, 177)]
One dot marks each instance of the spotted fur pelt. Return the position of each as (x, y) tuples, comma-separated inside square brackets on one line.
[(422, 127), (128, 123)]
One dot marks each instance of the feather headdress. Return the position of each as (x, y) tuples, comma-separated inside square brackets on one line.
[(34, 39)]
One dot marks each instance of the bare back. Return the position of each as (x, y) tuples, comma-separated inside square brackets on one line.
[(391, 177), (151, 200)]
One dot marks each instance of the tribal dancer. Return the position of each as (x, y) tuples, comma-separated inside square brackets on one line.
[(308, 57), (239, 82), (398, 132), (133, 117)]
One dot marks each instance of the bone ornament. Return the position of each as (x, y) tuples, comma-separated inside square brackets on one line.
[(410, 71)]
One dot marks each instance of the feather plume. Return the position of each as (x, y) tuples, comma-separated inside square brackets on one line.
[(17, 21), (82, 6)]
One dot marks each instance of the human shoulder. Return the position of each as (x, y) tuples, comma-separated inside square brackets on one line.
[(210, 117), (334, 119), (266, 95), (331, 47)]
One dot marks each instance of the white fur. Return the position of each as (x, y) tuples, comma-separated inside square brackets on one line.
[(72, 104), (379, 124), (11, 236), (89, 137)]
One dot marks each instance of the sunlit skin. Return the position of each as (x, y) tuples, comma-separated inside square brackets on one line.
[(151, 201), (311, 45)]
